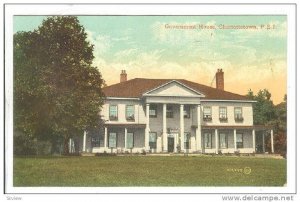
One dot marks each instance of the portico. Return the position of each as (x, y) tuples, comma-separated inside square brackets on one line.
[(175, 99), (174, 123)]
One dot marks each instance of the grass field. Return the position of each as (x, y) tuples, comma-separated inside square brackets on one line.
[(148, 171)]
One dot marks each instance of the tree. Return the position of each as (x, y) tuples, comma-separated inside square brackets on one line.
[(266, 113), (263, 109), (280, 138), (57, 90)]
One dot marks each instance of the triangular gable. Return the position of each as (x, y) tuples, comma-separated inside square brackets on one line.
[(174, 88)]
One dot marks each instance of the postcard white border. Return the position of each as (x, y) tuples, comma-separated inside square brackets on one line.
[(97, 9)]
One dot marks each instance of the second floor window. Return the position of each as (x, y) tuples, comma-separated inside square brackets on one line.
[(153, 111), (113, 112), (186, 111), (169, 111), (207, 114), (130, 112), (238, 116), (223, 113)]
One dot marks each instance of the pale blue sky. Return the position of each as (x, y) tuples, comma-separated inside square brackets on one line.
[(144, 47)]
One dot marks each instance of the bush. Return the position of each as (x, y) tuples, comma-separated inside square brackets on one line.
[(43, 147), (23, 144), (237, 153)]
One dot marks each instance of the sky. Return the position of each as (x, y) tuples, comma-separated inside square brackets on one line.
[(251, 50)]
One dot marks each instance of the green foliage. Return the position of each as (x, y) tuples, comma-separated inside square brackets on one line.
[(263, 109), (266, 113), (57, 91)]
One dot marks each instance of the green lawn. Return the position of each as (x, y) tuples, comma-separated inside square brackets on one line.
[(148, 171)]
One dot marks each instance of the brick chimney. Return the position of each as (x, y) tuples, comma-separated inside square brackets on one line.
[(123, 76), (220, 79)]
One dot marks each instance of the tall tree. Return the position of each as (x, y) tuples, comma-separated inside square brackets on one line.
[(266, 113), (263, 109), (280, 139), (59, 77)]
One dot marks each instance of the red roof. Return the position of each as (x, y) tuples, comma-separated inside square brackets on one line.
[(135, 88)]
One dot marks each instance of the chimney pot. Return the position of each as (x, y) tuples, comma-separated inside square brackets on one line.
[(123, 76), (220, 79)]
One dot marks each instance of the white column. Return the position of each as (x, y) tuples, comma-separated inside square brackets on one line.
[(216, 141), (198, 131), (70, 145), (193, 143), (234, 139), (181, 127), (84, 142), (253, 140), (272, 142), (175, 145), (147, 129), (125, 140), (165, 138), (105, 138)]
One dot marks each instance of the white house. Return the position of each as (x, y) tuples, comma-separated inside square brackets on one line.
[(166, 116)]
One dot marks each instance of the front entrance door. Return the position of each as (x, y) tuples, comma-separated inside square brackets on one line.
[(170, 144)]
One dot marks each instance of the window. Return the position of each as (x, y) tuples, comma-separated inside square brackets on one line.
[(129, 141), (223, 140), (130, 112), (153, 111), (186, 111), (112, 140), (152, 140), (96, 141), (238, 116), (169, 111), (207, 114), (187, 138), (223, 113), (239, 140), (113, 112), (207, 140)]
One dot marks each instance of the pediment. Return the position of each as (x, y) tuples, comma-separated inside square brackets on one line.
[(174, 88)]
